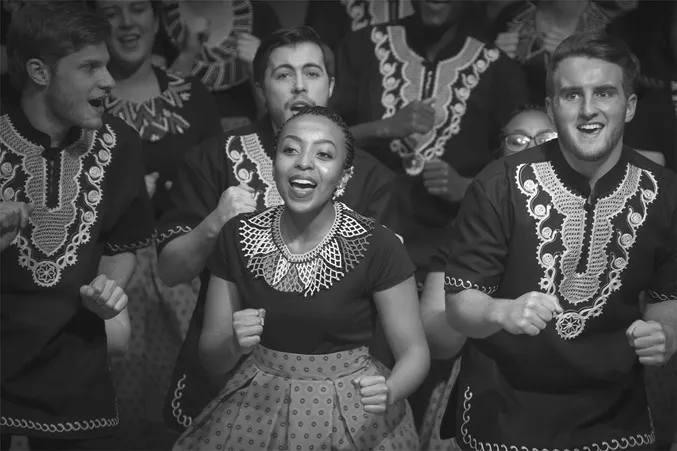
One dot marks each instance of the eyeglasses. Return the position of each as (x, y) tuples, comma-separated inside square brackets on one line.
[(516, 142)]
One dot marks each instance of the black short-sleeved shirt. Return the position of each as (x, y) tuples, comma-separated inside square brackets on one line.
[(527, 225), (181, 117), (90, 200), (319, 302), (380, 70)]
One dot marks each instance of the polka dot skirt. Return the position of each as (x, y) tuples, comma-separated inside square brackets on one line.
[(429, 432), (283, 401)]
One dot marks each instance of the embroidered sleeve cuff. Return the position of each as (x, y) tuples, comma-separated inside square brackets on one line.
[(113, 249), (167, 234), (655, 296), (456, 285)]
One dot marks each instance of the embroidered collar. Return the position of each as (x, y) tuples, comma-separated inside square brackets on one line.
[(337, 254), (579, 183), (416, 38), (264, 128), (24, 127)]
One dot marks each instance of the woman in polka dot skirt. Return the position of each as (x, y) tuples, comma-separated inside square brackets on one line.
[(320, 275)]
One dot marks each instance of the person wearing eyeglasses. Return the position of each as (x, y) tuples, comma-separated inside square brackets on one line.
[(528, 127)]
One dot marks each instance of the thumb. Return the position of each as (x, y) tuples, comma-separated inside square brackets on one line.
[(356, 382), (154, 175), (630, 332), (246, 187)]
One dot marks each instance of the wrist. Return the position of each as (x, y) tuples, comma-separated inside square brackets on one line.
[(212, 225), (384, 128), (497, 312), (391, 396)]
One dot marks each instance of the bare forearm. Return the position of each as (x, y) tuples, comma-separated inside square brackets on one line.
[(118, 334), (218, 354), (444, 341), (474, 313), (371, 132), (409, 371), (118, 267), (185, 257)]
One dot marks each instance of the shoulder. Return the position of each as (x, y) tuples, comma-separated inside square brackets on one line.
[(664, 177), (119, 136)]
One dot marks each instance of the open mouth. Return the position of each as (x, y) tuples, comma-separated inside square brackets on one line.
[(297, 105), (590, 128), (302, 186), (97, 102)]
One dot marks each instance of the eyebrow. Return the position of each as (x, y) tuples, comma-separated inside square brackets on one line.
[(319, 141), (289, 66)]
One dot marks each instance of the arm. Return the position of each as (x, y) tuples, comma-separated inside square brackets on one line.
[(665, 313), (474, 313), (444, 341), (218, 347), (119, 268), (398, 309)]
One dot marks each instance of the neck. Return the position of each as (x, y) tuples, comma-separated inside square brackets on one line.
[(563, 12), (307, 228), (125, 76), (594, 170), (436, 42), (36, 109)]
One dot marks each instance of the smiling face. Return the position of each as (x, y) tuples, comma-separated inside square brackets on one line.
[(527, 129), (295, 77), (78, 86), (589, 107), (309, 165), (133, 28)]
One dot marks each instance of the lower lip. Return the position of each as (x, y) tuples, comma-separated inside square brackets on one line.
[(98, 109), (300, 193), (590, 134), (129, 43)]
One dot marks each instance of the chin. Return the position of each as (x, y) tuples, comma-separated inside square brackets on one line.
[(91, 123)]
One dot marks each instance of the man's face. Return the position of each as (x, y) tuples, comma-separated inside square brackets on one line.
[(589, 107), (436, 14), (78, 86), (295, 77)]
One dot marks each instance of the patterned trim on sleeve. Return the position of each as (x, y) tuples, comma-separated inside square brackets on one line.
[(62, 427), (662, 297), (118, 249), (455, 285), (168, 233)]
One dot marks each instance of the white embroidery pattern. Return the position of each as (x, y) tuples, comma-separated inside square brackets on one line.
[(662, 297), (50, 226), (673, 87), (453, 282), (602, 264), (403, 79), (181, 418), (364, 13), (338, 253), (68, 426), (253, 150), (164, 236), (157, 117), (611, 445), (131, 247)]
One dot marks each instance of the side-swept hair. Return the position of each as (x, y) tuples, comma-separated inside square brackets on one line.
[(336, 119), (289, 38), (49, 31), (596, 45)]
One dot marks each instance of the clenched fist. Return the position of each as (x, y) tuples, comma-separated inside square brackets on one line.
[(103, 297), (529, 313), (651, 341), (374, 393), (248, 327), (13, 217)]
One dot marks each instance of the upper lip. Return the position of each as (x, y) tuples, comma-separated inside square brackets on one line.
[(295, 178), (590, 123), (300, 102)]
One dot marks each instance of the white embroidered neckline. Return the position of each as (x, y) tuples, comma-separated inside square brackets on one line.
[(337, 254)]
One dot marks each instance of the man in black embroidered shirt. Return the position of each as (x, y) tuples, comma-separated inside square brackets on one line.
[(549, 255), (72, 198), (233, 175)]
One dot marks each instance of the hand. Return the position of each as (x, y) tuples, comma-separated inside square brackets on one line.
[(653, 342), (248, 327), (508, 42), (151, 181), (246, 46), (416, 117), (374, 393), (13, 217), (234, 201), (103, 297), (552, 39), (529, 313), (195, 34), (441, 179)]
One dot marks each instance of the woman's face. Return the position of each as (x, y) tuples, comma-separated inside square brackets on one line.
[(527, 129), (133, 28), (309, 164)]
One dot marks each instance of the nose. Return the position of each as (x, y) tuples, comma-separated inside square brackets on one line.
[(125, 18), (588, 107), (107, 83), (304, 161), (299, 84)]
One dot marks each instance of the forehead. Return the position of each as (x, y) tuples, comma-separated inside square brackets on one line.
[(529, 119), (297, 55), (311, 128), (587, 72), (92, 53)]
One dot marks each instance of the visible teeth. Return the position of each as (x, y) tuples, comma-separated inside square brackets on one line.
[(304, 183), (591, 126)]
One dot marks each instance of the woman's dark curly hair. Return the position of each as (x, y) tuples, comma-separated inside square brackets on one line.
[(336, 119)]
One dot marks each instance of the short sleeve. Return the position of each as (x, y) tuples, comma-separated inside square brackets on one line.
[(196, 191), (133, 223), (663, 286), (390, 264), (225, 251), (477, 249)]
